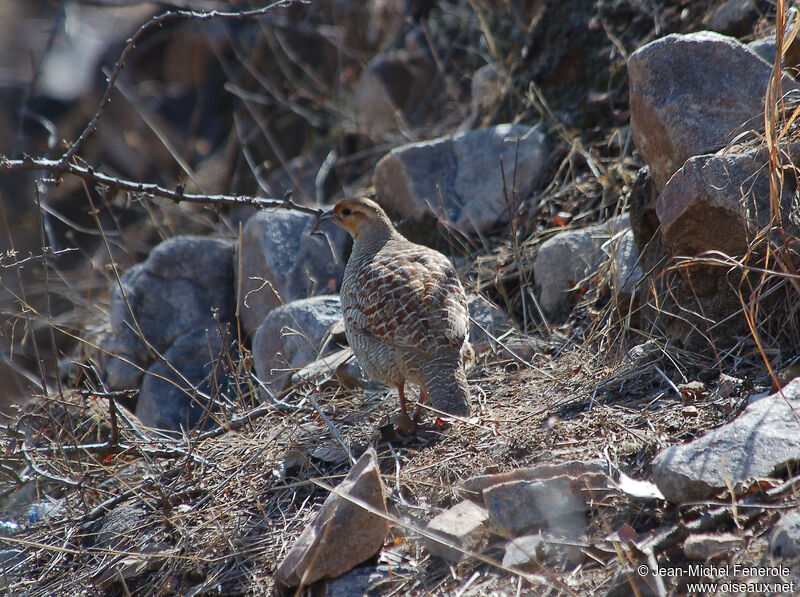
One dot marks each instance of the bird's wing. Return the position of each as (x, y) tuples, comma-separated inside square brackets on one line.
[(410, 297)]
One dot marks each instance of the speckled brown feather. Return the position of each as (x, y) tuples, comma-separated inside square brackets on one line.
[(409, 296)]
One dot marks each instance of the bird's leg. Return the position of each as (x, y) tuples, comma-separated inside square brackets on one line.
[(418, 410), (402, 396)]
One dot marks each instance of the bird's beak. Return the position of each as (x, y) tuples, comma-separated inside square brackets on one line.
[(328, 215)]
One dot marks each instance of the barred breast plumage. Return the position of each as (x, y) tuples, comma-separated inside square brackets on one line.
[(405, 310)]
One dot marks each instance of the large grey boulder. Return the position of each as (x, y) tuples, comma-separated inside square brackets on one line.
[(714, 205), (170, 294), (292, 336), (282, 262), (176, 396), (759, 443), (691, 94), (466, 168)]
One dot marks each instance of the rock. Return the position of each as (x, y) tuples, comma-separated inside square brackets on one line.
[(692, 390), (467, 169), (281, 262), (719, 203), (712, 203), (783, 377), (341, 365), (9, 558), (764, 47), (530, 551), (727, 386), (757, 444), (627, 270), (462, 525), (44, 508), (166, 400), (522, 348), (646, 352), (487, 322), (170, 294), (691, 94), (570, 256), (473, 487), (292, 336), (522, 552), (523, 505), (121, 528), (644, 221), (490, 84), (785, 541), (702, 546), (343, 534), (629, 582), (358, 581), (393, 86), (734, 18), (132, 532)]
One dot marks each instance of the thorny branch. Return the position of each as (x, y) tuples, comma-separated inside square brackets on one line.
[(114, 183), (67, 164)]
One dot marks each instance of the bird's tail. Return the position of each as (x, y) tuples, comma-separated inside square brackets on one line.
[(446, 384)]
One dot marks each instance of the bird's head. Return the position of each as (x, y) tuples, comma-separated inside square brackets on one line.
[(359, 217)]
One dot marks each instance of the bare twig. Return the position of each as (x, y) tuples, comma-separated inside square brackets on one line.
[(56, 168)]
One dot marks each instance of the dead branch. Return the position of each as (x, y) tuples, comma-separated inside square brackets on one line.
[(87, 173)]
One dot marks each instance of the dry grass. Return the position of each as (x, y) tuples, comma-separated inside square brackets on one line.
[(222, 509), (218, 510)]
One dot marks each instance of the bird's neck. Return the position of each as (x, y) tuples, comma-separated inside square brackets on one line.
[(371, 241), (378, 232)]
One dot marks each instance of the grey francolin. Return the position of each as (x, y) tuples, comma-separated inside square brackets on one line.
[(405, 311)]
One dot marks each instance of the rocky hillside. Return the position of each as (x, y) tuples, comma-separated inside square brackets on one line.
[(613, 181)]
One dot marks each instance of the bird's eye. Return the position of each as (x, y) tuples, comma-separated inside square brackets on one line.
[(346, 211)]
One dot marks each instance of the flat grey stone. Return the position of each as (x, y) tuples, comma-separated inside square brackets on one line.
[(523, 505), (757, 444), (522, 552)]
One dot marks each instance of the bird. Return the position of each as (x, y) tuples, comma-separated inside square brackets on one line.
[(405, 310)]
